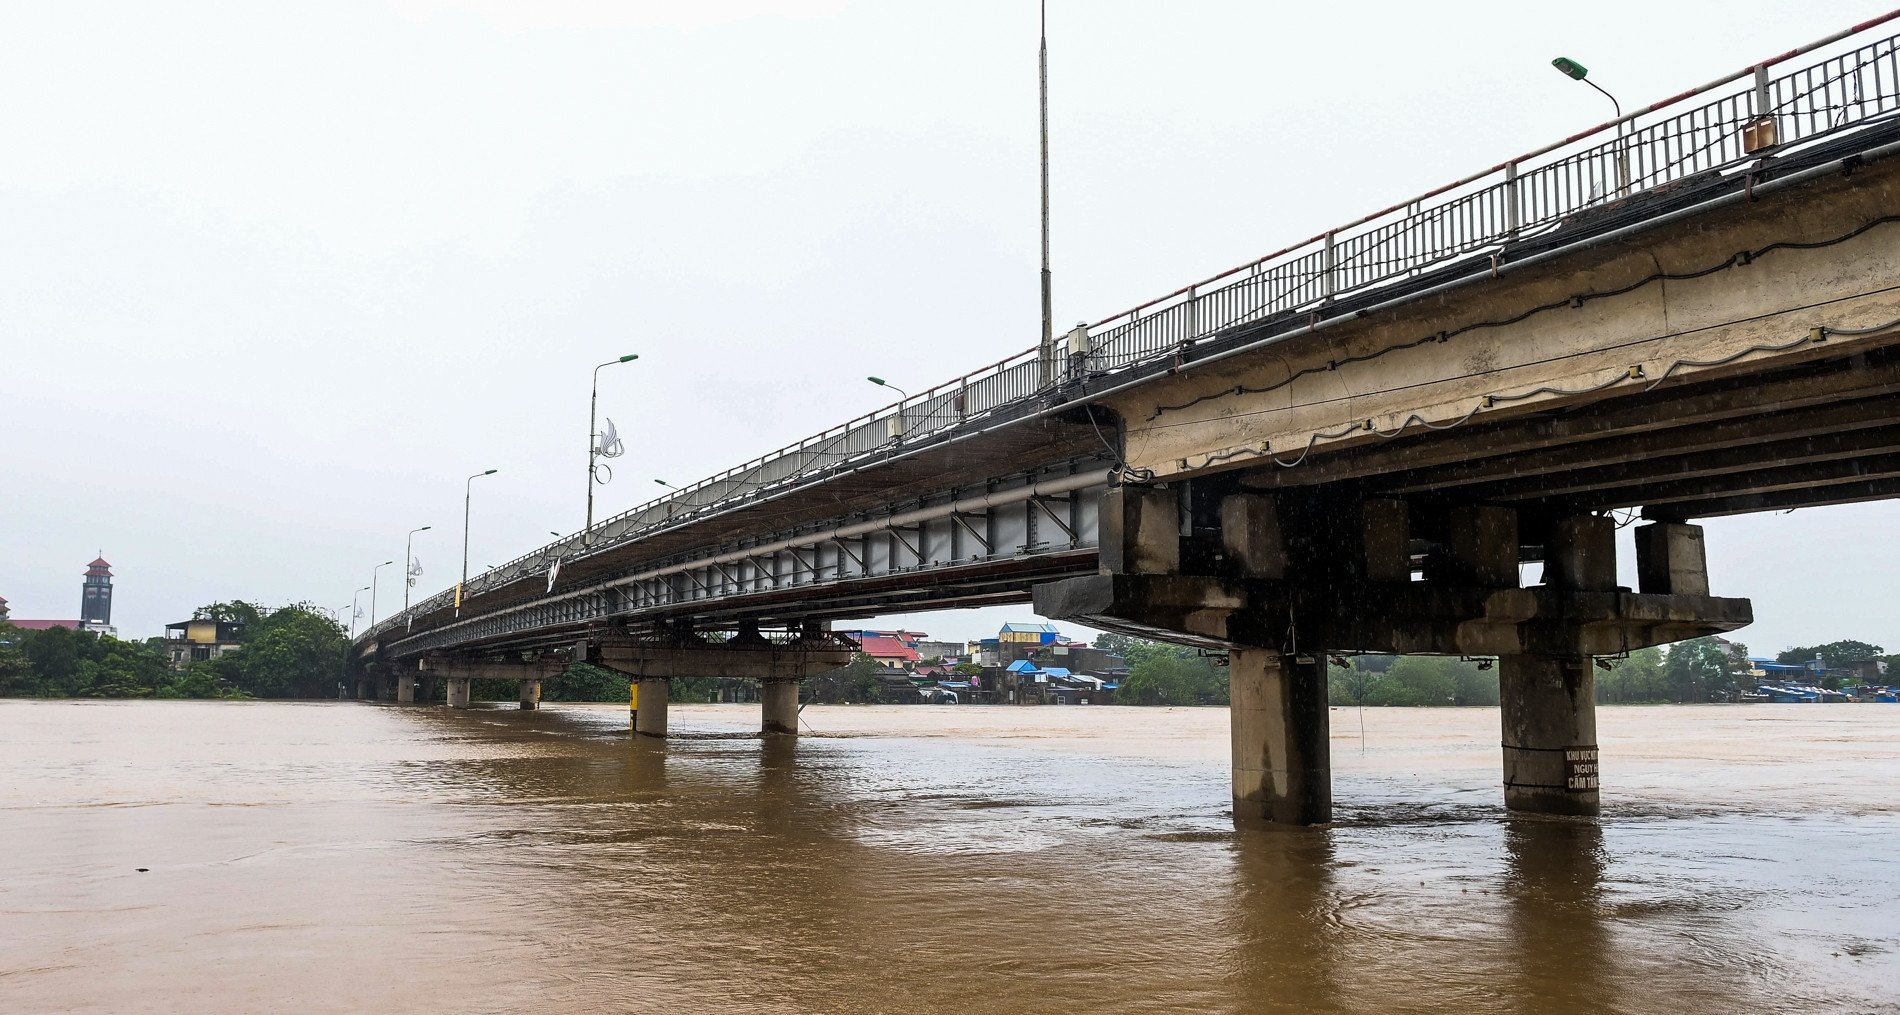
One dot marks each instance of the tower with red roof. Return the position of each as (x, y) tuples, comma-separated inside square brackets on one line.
[(95, 604)]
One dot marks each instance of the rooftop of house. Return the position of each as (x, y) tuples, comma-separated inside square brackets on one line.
[(42, 625)]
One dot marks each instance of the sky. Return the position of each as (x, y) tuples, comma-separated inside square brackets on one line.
[(280, 277)]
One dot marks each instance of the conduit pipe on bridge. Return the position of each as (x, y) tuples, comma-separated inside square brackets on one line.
[(1503, 267)]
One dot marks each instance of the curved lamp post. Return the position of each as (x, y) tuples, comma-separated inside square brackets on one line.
[(593, 441), (356, 609), (1578, 72), (409, 570), (468, 490)]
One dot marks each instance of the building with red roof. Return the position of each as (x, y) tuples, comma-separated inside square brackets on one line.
[(892, 648), (95, 605)]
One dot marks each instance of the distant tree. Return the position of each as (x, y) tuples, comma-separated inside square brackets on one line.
[(856, 681), (1353, 684), (293, 653), (1117, 644), (1834, 654), (586, 682), (1162, 674), (123, 670), (17, 677), (1695, 670), (1637, 677), (967, 670)]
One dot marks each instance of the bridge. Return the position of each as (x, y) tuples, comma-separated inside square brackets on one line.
[(1357, 443)]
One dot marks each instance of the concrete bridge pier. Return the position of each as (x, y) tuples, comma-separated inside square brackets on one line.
[(458, 692), (649, 706), (530, 695), (1548, 701), (362, 689), (1281, 754), (1269, 576), (1550, 735), (405, 687), (778, 700)]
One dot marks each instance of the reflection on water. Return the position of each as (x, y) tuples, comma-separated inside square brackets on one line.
[(343, 857)]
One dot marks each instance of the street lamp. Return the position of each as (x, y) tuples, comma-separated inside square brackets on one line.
[(356, 609), (593, 441), (896, 423), (409, 569), (666, 484), (1578, 72), (468, 490)]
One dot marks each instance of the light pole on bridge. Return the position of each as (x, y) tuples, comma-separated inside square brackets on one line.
[(596, 448), (1578, 72), (468, 492), (356, 609), (410, 570)]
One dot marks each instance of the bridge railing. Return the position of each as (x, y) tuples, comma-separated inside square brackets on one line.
[(1719, 127)]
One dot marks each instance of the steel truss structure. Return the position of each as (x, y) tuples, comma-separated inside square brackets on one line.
[(958, 547)]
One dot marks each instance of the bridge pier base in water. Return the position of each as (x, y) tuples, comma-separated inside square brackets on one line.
[(649, 706), (778, 704), (1267, 575), (405, 688), (458, 692), (530, 695), (1281, 753), (1550, 734)]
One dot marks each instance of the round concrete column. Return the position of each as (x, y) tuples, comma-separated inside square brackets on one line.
[(1550, 734), (458, 692), (362, 689), (649, 710), (1282, 756), (779, 704), (405, 688), (530, 694)]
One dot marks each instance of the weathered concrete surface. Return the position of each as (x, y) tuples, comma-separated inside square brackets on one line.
[(649, 710), (1550, 734), (778, 702), (1620, 344), (530, 694), (1402, 618), (1282, 755), (755, 657), (458, 696)]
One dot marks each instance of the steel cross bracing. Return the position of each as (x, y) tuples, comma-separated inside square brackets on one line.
[(954, 548), (1729, 127)]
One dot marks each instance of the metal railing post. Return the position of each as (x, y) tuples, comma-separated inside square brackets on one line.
[(1328, 286), (1513, 201)]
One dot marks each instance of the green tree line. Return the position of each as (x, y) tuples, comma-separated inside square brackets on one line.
[(293, 652)]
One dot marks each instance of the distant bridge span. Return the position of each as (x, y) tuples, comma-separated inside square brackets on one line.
[(1352, 444)]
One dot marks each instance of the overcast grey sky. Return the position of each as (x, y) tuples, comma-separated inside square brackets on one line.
[(279, 276)]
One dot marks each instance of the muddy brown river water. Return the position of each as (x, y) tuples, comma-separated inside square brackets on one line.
[(245, 857)]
